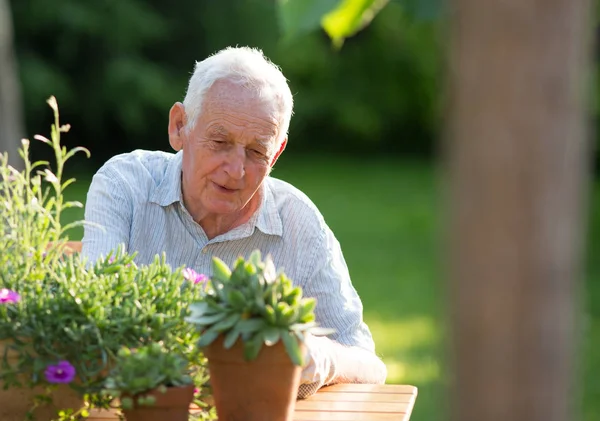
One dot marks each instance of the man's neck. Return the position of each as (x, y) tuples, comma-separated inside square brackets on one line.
[(218, 224)]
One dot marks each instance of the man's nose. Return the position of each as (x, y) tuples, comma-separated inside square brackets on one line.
[(235, 163)]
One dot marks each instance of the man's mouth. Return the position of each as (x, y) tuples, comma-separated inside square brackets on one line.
[(224, 189)]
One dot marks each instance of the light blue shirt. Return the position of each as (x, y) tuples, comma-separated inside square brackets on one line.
[(136, 198)]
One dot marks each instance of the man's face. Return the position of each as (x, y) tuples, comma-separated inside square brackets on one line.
[(230, 150)]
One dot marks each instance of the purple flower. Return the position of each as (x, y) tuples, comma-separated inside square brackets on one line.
[(63, 372), (193, 276), (8, 296)]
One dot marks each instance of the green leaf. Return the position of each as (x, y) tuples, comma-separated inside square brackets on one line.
[(293, 348), (271, 335), (270, 314), (208, 337), (220, 270), (236, 299), (308, 305), (239, 273), (231, 337), (227, 322), (294, 296), (350, 17), (250, 325), (297, 17), (253, 347), (206, 320), (255, 256), (200, 308)]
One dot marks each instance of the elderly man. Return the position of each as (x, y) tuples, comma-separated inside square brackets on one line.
[(214, 197)]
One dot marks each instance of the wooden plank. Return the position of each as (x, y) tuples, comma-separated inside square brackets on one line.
[(331, 406), (348, 402), (363, 397), (370, 388), (349, 416)]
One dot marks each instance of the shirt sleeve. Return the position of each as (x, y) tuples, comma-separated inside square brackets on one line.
[(108, 215), (338, 307)]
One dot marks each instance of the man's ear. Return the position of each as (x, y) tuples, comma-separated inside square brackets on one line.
[(177, 124), (281, 148)]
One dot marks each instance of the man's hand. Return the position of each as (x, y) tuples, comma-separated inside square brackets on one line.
[(329, 362)]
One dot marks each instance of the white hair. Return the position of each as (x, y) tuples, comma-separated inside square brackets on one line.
[(246, 66)]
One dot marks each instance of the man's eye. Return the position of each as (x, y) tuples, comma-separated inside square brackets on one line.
[(257, 153)]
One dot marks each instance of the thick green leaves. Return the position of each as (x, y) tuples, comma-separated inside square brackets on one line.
[(307, 308), (272, 335), (250, 325), (227, 323), (208, 337), (207, 320), (293, 348), (252, 347), (231, 337), (254, 304), (220, 270), (270, 314), (236, 299)]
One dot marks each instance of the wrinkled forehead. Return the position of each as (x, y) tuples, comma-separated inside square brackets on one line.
[(257, 105)]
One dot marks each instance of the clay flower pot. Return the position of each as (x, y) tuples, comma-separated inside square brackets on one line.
[(16, 401), (263, 389), (172, 405)]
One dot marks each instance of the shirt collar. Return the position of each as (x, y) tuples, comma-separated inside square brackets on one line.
[(269, 220), (266, 219), (169, 189)]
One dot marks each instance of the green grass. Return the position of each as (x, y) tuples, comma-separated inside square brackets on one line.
[(386, 216)]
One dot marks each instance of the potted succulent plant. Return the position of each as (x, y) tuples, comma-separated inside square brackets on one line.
[(62, 319), (253, 323), (152, 384)]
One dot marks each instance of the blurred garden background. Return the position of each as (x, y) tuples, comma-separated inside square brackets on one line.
[(363, 141)]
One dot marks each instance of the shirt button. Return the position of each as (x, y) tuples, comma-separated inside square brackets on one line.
[(205, 250)]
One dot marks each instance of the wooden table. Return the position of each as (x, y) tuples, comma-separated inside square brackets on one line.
[(344, 402), (358, 402)]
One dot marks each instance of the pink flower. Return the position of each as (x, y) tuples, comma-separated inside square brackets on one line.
[(63, 372), (8, 296), (193, 276)]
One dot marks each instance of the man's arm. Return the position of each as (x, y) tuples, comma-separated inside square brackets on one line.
[(347, 356), (108, 214)]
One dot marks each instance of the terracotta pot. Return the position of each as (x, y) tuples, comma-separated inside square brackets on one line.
[(172, 405), (263, 389), (16, 401)]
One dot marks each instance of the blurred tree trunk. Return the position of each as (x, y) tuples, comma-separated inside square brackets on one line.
[(11, 120), (517, 158)]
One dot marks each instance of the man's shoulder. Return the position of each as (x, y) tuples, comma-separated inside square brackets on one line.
[(139, 173), (293, 203), (139, 165)]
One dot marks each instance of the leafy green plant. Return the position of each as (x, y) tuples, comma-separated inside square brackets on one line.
[(144, 369), (256, 304), (62, 319)]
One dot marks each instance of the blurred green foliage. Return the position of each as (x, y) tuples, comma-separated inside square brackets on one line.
[(117, 66)]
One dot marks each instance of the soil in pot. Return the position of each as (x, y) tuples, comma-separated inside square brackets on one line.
[(172, 405), (263, 389)]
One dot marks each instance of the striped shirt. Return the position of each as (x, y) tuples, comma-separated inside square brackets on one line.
[(135, 199)]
